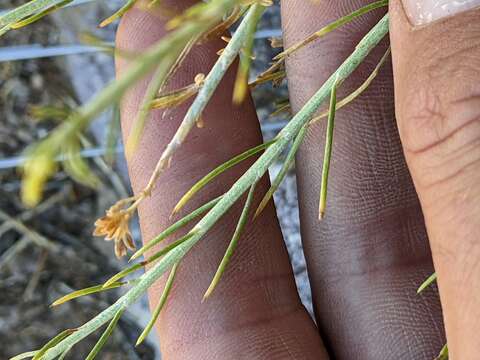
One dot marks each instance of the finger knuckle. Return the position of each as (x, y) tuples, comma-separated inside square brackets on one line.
[(440, 119)]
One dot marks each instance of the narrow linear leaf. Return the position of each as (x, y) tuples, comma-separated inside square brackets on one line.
[(241, 83), (431, 279), (150, 260), (284, 107), (87, 291), (122, 274), (160, 305), (443, 355), (125, 272), (64, 355), (221, 28), (175, 227), (283, 171), (275, 77), (280, 58), (57, 339), (25, 355), (103, 339), (233, 243), (21, 12), (128, 5), (31, 19), (359, 91), (328, 152), (332, 26), (217, 171), (175, 98)]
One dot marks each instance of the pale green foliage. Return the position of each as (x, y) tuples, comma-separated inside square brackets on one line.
[(162, 60)]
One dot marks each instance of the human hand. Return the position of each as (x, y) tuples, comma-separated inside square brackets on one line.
[(367, 257)]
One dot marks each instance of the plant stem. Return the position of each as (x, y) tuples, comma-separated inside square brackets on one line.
[(206, 92), (252, 175), (176, 226)]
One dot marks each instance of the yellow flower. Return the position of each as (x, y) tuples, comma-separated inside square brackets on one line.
[(114, 226)]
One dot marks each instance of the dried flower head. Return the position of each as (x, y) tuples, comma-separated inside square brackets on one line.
[(114, 226)]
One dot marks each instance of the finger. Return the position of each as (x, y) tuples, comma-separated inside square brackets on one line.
[(368, 256), (437, 87), (255, 312)]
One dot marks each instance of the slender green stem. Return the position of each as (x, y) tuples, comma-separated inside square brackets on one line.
[(283, 171), (206, 92), (175, 227), (160, 305), (252, 175), (48, 149), (150, 260), (242, 221), (328, 152)]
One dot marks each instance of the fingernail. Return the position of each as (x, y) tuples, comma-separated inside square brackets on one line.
[(423, 12)]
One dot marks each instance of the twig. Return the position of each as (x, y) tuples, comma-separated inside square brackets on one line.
[(206, 92), (13, 251), (38, 239)]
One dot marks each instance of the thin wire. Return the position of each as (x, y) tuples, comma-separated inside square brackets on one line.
[(37, 51)]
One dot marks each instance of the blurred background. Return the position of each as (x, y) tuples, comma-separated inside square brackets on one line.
[(49, 251)]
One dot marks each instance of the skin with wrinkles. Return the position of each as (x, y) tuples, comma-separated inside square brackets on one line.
[(255, 309), (439, 122), (371, 251), (366, 259)]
